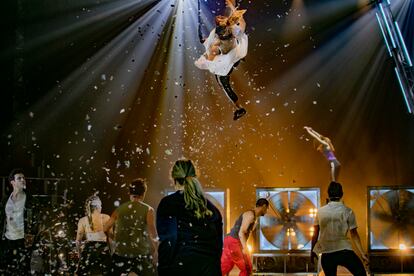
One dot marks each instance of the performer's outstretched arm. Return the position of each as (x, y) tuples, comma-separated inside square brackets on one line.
[(315, 237), (247, 220), (357, 241), (231, 4), (152, 231), (315, 135)]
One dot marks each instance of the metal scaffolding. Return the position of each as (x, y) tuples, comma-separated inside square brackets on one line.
[(395, 44)]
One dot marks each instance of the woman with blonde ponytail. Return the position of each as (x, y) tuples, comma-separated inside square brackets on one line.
[(94, 257), (189, 226)]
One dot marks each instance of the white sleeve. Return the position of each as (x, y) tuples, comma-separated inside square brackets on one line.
[(316, 221), (351, 220)]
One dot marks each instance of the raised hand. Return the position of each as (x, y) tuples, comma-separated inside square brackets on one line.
[(231, 4)]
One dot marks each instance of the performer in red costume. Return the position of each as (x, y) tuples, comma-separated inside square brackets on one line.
[(235, 243)]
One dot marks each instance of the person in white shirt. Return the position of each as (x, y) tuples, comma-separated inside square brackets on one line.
[(19, 228), (225, 46), (332, 224), (95, 256)]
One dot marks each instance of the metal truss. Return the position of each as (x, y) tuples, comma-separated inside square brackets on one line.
[(397, 50)]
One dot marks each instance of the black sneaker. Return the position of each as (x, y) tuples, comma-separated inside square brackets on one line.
[(239, 113)]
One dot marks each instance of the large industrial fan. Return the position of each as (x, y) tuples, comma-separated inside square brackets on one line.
[(391, 229), (391, 218), (288, 224)]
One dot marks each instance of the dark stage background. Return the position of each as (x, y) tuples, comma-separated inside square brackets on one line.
[(99, 92)]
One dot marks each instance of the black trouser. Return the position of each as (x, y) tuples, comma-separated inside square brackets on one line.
[(193, 265), (142, 265), (224, 82), (345, 258), (16, 257), (94, 259)]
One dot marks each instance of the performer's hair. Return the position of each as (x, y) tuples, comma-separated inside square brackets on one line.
[(13, 173), (327, 140), (183, 173), (262, 201), (335, 191), (138, 187), (221, 20), (91, 204), (319, 146)]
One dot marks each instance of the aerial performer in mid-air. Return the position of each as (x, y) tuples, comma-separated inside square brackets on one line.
[(327, 149), (225, 47)]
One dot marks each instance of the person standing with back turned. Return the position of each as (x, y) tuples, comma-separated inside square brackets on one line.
[(190, 228), (135, 235), (332, 223)]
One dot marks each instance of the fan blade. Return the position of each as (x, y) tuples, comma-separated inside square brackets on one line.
[(391, 218)]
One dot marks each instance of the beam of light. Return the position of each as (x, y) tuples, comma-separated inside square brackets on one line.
[(334, 55), (177, 99), (402, 43), (88, 22), (118, 54), (171, 99), (96, 97), (346, 50), (296, 21), (385, 20), (383, 34), (326, 9), (403, 89)]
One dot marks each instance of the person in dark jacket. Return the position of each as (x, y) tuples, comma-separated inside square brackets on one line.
[(190, 228), (19, 227)]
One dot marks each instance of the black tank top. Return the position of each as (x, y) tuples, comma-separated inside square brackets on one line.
[(234, 232)]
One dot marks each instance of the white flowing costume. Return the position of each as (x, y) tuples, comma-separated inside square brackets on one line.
[(222, 64)]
